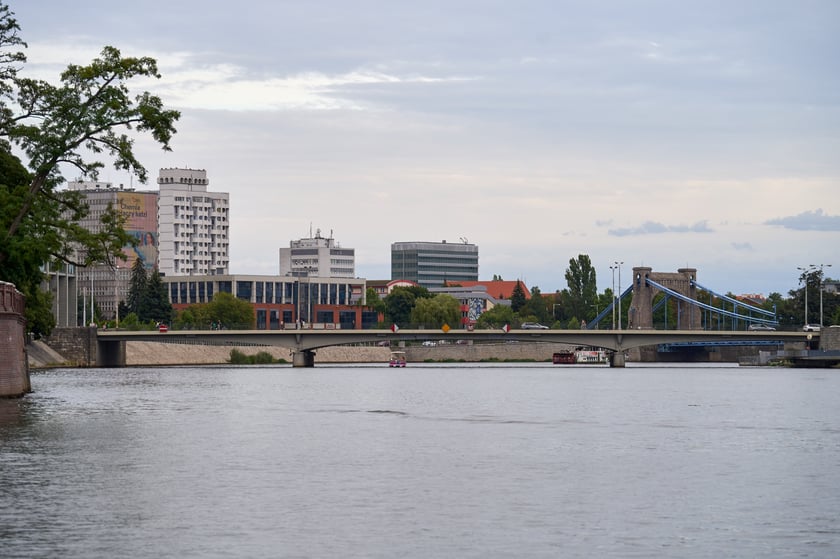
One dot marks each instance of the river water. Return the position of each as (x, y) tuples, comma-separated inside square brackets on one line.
[(429, 461)]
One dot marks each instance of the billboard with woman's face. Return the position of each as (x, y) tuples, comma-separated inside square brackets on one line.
[(140, 212)]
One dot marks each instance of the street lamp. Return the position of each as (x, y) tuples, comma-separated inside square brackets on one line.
[(618, 265), (821, 288), (613, 268), (805, 272)]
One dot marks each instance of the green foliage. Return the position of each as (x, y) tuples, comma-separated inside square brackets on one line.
[(400, 302), (497, 317), (137, 288), (52, 124), (157, 306), (224, 312), (436, 311), (582, 287), (517, 298), (373, 301), (260, 358)]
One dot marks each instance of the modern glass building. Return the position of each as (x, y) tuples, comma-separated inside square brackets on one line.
[(434, 264)]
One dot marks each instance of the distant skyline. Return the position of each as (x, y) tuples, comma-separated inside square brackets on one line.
[(664, 134)]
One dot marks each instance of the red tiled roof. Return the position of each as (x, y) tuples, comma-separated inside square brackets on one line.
[(498, 289)]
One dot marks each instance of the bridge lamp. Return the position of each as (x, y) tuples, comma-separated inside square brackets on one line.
[(618, 265), (615, 300), (804, 278), (821, 266)]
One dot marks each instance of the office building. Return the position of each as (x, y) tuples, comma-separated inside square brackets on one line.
[(434, 264), (281, 301), (193, 225), (317, 256)]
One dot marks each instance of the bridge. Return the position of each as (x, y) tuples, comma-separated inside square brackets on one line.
[(303, 343), (645, 289)]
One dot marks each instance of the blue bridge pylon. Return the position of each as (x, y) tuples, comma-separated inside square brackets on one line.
[(681, 287)]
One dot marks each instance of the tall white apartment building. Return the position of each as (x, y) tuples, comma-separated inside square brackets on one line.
[(193, 225), (317, 256)]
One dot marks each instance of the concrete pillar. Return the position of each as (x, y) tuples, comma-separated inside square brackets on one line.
[(640, 314), (617, 359), (303, 358)]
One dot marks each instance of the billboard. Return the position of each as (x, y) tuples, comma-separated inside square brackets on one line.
[(140, 212)]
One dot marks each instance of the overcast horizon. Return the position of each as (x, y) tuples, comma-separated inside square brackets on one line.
[(665, 134)]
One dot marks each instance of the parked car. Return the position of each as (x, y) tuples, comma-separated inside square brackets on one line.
[(533, 326), (761, 327), (811, 328)]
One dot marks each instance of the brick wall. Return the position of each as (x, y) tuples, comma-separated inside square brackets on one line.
[(14, 367)]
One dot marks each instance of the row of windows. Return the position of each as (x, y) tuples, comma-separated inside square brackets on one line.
[(263, 292)]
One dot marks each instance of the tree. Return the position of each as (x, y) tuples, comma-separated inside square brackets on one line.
[(226, 311), (400, 302), (86, 115), (496, 317), (517, 297), (157, 306), (583, 289), (137, 289), (373, 301), (436, 311)]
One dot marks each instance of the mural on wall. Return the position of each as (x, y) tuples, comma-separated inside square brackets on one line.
[(140, 212), (474, 308)]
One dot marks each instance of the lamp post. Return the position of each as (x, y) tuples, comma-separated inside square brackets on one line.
[(618, 265), (821, 289), (805, 272), (613, 268)]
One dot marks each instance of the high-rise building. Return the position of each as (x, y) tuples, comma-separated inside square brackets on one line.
[(105, 284), (193, 224), (434, 264), (317, 256)]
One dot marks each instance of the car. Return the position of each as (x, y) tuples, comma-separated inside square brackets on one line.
[(811, 328), (533, 326), (429, 343), (761, 327)]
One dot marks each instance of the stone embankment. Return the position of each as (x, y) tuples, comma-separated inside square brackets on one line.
[(161, 354)]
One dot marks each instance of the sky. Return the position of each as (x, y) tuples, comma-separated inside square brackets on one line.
[(645, 132)]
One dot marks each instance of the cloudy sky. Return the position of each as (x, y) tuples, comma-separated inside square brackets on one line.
[(651, 132)]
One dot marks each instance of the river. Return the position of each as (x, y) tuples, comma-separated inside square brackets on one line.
[(461, 461)]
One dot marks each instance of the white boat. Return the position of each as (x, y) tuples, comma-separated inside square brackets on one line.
[(596, 356)]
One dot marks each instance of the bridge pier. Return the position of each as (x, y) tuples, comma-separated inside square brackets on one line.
[(617, 359), (303, 358)]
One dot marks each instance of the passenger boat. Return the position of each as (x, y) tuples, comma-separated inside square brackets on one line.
[(397, 359), (563, 358), (590, 356), (580, 357)]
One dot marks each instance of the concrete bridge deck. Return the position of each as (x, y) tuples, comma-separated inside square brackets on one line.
[(111, 343)]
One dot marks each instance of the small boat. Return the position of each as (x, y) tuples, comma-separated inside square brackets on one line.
[(397, 359)]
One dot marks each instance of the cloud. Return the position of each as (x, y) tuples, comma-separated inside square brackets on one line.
[(654, 228), (815, 220), (747, 247)]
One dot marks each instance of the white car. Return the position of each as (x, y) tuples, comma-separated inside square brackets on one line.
[(533, 326), (811, 328), (760, 327)]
